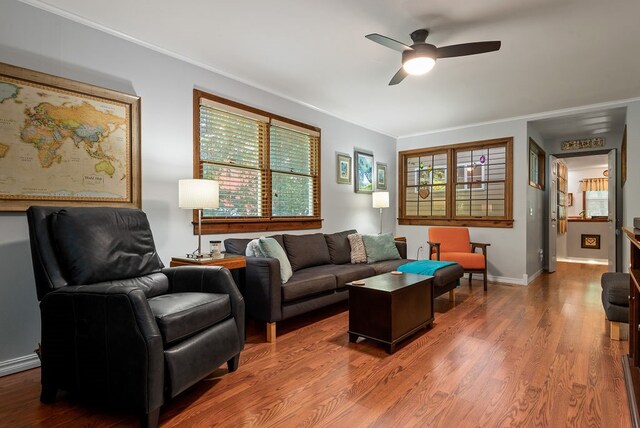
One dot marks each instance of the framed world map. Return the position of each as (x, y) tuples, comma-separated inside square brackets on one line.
[(64, 142)]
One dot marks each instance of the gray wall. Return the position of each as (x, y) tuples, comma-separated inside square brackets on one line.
[(507, 253), (38, 40)]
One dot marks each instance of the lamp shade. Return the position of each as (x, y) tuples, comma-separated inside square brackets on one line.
[(197, 193), (380, 199)]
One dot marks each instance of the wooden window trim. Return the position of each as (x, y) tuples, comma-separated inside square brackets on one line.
[(266, 222), (451, 219), (542, 156)]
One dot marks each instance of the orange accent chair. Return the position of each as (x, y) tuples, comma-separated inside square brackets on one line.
[(454, 245)]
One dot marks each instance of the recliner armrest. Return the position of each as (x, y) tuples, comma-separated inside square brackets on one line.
[(78, 336), (209, 279)]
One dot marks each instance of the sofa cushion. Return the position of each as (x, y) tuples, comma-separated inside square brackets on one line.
[(358, 253), (270, 248), (118, 245), (349, 272), (339, 247), (236, 245), (239, 245), (380, 247), (388, 265), (308, 282), (307, 250), (180, 315)]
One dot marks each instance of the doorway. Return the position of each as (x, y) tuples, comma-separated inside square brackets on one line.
[(584, 234)]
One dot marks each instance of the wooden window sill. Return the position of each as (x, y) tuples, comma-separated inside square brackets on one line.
[(256, 225), (588, 220), (455, 222)]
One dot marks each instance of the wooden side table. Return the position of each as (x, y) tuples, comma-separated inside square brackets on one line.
[(230, 261)]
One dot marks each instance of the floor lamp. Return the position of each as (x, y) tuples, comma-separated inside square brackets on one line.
[(380, 200), (197, 194)]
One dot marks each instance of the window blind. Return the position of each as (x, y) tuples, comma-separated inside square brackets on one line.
[(232, 152), (294, 171)]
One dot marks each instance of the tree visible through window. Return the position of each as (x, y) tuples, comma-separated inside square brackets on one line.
[(267, 167), (464, 184)]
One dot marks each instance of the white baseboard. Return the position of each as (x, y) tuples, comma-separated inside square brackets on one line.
[(499, 279), (530, 279), (583, 260), (19, 364)]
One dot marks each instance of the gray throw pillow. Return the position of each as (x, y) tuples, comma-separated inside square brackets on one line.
[(358, 253), (380, 247), (253, 250), (270, 248)]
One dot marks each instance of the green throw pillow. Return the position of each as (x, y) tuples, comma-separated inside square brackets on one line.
[(270, 248), (380, 247)]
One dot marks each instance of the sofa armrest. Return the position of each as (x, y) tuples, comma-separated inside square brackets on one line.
[(103, 338), (263, 290), (209, 279), (402, 248)]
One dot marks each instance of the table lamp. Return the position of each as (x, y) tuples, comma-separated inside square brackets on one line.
[(198, 194), (380, 200)]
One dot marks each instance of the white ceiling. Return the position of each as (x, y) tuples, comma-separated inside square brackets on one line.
[(583, 125), (555, 54), (586, 162)]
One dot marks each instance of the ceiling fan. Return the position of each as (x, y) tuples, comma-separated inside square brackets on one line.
[(420, 57)]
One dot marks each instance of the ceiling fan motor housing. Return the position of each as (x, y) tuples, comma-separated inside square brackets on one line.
[(421, 50)]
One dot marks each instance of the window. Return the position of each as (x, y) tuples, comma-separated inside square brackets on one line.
[(596, 203), (267, 167), (537, 159), (595, 197), (464, 184)]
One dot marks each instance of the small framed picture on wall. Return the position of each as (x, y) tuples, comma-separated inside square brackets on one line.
[(381, 176), (343, 168), (364, 172)]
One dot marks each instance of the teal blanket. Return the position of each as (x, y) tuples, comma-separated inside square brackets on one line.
[(424, 267)]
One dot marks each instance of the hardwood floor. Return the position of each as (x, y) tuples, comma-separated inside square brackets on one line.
[(516, 356)]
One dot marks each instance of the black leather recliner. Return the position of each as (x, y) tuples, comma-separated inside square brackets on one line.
[(117, 327)]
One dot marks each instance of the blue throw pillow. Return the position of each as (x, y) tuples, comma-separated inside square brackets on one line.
[(270, 248), (380, 247)]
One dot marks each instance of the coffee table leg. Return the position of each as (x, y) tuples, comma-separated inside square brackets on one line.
[(353, 337), (391, 348)]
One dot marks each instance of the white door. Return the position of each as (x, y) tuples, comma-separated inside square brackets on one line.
[(553, 212), (612, 221)]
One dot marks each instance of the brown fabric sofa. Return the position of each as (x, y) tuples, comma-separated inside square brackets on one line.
[(321, 267)]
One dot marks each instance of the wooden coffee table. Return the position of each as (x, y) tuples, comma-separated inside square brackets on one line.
[(389, 308)]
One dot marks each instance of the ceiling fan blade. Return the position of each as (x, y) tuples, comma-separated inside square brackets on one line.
[(468, 49), (385, 41), (398, 77)]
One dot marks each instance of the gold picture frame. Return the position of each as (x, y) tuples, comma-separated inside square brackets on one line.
[(343, 168), (64, 142)]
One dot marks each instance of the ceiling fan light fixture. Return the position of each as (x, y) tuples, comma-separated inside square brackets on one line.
[(419, 65)]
